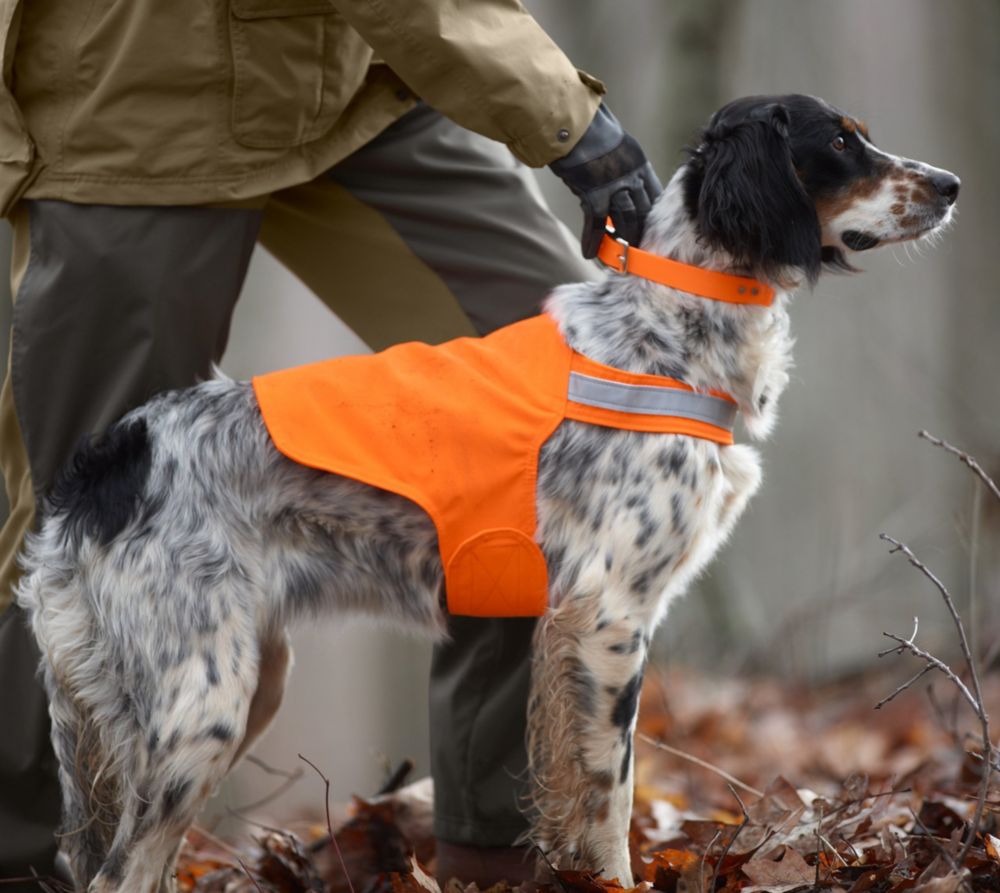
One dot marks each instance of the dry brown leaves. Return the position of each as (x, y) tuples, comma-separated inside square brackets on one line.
[(866, 802)]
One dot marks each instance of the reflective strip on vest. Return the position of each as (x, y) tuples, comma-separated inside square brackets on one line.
[(635, 401), (650, 400)]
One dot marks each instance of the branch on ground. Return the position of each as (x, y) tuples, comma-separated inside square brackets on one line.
[(971, 693)]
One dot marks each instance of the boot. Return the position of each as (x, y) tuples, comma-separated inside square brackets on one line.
[(485, 866)]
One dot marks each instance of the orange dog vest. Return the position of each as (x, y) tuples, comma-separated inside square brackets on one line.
[(457, 429)]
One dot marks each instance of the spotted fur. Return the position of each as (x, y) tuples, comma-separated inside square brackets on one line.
[(178, 547)]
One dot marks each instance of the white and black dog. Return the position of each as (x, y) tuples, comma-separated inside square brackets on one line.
[(177, 547)]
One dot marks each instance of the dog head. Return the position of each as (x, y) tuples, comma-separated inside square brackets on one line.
[(783, 182)]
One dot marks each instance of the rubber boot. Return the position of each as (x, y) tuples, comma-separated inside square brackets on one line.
[(484, 866), (29, 786)]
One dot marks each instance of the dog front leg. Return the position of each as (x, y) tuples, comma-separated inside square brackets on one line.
[(589, 655)]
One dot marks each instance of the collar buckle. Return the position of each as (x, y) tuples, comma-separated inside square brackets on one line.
[(617, 259), (623, 257)]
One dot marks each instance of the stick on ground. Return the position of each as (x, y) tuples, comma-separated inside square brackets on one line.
[(972, 696)]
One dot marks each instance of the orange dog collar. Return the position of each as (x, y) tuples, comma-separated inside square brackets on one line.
[(624, 258)]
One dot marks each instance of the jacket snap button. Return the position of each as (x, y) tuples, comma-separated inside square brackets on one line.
[(563, 135)]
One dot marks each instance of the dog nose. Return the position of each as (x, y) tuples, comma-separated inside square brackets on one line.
[(946, 185)]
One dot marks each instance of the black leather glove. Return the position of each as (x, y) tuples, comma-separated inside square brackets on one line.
[(609, 173)]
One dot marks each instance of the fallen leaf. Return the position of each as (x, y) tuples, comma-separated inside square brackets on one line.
[(672, 860), (586, 882), (992, 847), (947, 884), (792, 871)]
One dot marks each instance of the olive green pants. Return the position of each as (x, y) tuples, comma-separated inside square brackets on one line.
[(428, 232)]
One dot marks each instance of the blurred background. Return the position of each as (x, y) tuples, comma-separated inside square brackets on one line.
[(805, 587)]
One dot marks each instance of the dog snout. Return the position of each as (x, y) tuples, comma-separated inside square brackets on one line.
[(946, 185)]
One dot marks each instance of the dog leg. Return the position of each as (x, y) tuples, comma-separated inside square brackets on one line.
[(73, 670), (88, 795), (275, 665), (587, 674), (188, 744)]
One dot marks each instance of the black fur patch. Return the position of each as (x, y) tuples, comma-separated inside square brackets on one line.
[(631, 646), (742, 190), (671, 460), (626, 762), (173, 796), (836, 261), (220, 731), (101, 489), (627, 703), (211, 668), (677, 514)]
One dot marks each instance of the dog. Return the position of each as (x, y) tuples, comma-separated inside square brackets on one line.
[(177, 547)]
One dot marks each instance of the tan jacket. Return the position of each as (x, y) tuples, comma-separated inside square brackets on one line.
[(195, 101)]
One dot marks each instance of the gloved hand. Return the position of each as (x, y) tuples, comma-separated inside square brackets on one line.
[(609, 173)]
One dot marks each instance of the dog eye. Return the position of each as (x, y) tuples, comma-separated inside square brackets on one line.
[(839, 143)]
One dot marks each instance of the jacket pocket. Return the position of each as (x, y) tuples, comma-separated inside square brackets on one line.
[(296, 64)]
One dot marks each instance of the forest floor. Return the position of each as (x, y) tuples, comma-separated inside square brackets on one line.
[(745, 785)]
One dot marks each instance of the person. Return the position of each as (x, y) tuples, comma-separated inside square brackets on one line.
[(381, 151)]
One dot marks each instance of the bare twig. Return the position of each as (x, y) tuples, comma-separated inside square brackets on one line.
[(819, 846), (266, 767), (290, 779), (246, 871), (45, 883), (217, 842), (945, 594), (392, 784), (977, 511), (991, 485), (904, 686), (935, 662), (974, 697), (329, 823), (994, 760), (966, 458), (850, 846), (907, 645), (954, 864), (551, 867), (704, 859), (691, 758)]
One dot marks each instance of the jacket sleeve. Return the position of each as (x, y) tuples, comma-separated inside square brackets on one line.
[(486, 64), (16, 147)]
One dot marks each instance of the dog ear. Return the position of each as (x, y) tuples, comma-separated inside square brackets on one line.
[(749, 201)]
